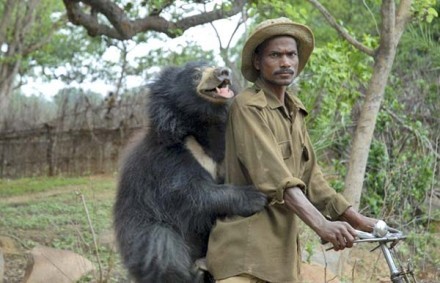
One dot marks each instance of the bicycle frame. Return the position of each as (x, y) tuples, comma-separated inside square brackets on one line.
[(388, 238)]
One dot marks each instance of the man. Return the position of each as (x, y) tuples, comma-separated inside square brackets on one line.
[(267, 145)]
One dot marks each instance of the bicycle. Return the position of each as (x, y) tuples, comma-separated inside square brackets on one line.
[(388, 238)]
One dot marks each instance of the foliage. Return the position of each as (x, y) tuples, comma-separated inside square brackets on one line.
[(48, 16), (424, 10), (89, 59), (264, 9), (330, 86), (70, 56), (359, 18), (403, 161), (165, 56), (397, 180)]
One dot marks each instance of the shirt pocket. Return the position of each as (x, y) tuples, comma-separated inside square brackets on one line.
[(285, 149), (305, 153)]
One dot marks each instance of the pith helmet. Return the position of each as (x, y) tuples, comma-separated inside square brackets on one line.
[(274, 27)]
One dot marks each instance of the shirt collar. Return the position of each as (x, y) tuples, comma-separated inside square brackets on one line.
[(263, 97)]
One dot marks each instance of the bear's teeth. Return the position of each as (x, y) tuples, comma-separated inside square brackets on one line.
[(225, 92)]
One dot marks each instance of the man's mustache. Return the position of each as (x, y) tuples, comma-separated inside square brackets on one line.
[(284, 71)]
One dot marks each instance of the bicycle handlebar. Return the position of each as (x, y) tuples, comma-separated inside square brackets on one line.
[(368, 237), (381, 233), (387, 238)]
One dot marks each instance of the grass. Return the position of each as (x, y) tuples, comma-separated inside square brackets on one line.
[(51, 212)]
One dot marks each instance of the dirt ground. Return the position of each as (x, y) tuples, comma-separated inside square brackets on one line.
[(362, 265)]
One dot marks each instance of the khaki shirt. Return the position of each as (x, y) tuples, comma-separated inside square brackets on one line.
[(267, 145)]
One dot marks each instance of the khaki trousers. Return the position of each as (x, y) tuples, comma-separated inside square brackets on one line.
[(243, 278)]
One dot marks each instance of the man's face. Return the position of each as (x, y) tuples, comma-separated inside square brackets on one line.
[(277, 60)]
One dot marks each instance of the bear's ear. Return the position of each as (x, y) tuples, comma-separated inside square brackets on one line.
[(200, 69)]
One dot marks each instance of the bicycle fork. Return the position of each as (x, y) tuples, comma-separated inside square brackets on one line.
[(397, 275)]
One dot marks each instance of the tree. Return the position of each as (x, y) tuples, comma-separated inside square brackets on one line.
[(133, 20), (393, 21), (110, 19), (20, 38)]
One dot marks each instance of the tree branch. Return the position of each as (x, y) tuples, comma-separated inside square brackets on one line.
[(6, 19), (29, 17), (402, 18), (121, 27), (43, 41), (342, 32), (89, 22), (402, 123)]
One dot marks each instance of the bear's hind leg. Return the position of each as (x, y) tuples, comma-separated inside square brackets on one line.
[(161, 255)]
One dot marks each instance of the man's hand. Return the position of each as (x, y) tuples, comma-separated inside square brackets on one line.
[(339, 233)]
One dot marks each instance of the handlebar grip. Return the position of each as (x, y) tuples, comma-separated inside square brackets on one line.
[(364, 235)]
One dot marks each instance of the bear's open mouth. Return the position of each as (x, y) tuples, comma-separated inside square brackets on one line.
[(220, 91)]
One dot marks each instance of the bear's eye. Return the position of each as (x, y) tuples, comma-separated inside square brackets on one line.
[(197, 74)]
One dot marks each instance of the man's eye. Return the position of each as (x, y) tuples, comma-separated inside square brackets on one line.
[(274, 55)]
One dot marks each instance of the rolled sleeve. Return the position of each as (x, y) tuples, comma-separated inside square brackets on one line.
[(285, 184), (336, 206)]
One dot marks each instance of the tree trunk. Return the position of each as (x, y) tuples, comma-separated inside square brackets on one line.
[(392, 27), (19, 19), (364, 134), (366, 124), (8, 72)]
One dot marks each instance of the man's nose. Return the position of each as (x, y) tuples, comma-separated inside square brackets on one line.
[(285, 61)]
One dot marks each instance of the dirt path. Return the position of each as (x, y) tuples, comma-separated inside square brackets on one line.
[(68, 189), (35, 196)]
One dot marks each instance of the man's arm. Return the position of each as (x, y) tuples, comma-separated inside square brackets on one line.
[(339, 233), (357, 220)]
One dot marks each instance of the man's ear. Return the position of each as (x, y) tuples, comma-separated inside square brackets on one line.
[(256, 62)]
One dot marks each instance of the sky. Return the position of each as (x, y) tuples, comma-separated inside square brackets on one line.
[(204, 35)]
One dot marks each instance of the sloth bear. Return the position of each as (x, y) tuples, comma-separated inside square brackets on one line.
[(170, 188)]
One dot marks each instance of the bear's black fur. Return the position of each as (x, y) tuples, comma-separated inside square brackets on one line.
[(170, 190)]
